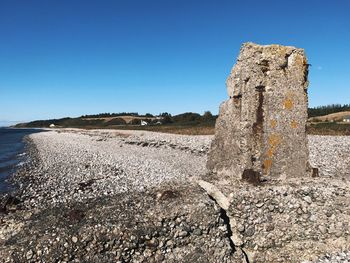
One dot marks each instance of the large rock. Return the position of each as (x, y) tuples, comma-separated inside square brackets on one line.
[(261, 127)]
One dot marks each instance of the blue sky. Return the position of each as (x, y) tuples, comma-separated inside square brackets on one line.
[(71, 57)]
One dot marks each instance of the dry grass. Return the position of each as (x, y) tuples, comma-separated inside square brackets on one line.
[(338, 116), (189, 130), (328, 128), (174, 129)]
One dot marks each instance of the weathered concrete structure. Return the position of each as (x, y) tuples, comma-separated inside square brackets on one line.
[(261, 129)]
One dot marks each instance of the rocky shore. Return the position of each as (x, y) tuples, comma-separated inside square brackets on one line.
[(132, 196)]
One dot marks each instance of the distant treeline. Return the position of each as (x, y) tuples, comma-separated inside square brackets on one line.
[(106, 115), (64, 122), (328, 109), (188, 118)]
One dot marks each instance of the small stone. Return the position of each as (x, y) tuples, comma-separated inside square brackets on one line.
[(259, 205), (237, 240), (183, 233), (322, 229), (240, 227), (29, 254), (328, 213), (313, 218), (159, 258), (197, 232), (74, 239), (169, 243), (304, 209), (331, 229), (250, 231), (161, 244), (339, 233), (270, 227), (307, 199), (223, 228), (178, 221), (305, 216), (152, 243)]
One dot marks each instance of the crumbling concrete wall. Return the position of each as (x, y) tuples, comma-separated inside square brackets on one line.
[(261, 129)]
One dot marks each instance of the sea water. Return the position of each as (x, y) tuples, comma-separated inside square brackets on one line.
[(12, 153)]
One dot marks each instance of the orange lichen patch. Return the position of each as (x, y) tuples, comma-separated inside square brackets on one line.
[(273, 123), (270, 152), (294, 124), (274, 140), (267, 165), (288, 103)]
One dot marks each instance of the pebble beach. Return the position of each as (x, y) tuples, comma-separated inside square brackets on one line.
[(131, 196)]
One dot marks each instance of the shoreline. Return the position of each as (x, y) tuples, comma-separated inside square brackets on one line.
[(18, 148), (18, 180), (98, 196)]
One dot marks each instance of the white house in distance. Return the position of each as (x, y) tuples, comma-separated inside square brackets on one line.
[(346, 119), (144, 123), (52, 125)]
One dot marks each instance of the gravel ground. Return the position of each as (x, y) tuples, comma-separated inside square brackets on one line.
[(79, 165), (331, 154), (343, 257), (96, 172), (86, 164)]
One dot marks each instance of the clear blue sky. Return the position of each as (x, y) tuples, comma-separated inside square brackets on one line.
[(70, 57)]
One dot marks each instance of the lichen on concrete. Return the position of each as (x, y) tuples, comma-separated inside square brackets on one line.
[(260, 131)]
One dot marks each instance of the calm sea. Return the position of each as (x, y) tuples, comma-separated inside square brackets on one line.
[(11, 153)]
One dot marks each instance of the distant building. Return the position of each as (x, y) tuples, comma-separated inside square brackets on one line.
[(52, 125), (346, 119), (144, 123)]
